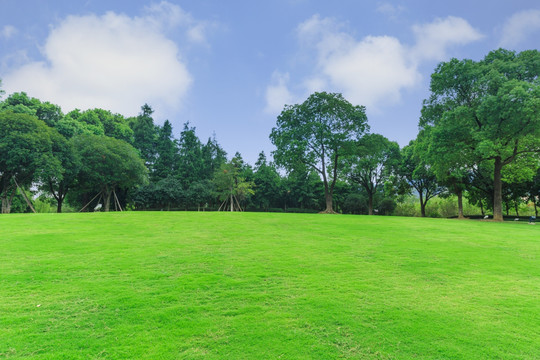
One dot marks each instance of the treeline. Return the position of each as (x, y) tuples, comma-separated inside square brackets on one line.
[(86, 158), (479, 139)]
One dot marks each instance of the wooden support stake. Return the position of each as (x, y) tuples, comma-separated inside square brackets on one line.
[(24, 196), (84, 207), (117, 201)]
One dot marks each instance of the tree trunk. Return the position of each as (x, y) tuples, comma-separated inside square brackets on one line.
[(7, 200), (328, 197), (107, 199), (535, 209), (516, 205), (370, 203), (422, 205), (482, 208), (460, 204), (6, 205), (497, 191), (232, 203), (59, 202)]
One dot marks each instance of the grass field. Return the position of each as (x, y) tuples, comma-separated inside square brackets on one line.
[(166, 285)]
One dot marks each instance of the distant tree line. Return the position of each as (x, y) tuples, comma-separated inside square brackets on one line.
[(479, 138)]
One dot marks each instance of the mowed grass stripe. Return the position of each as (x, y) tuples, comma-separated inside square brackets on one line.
[(172, 285)]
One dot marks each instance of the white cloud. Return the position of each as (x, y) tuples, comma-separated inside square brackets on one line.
[(111, 61), (169, 16), (8, 31), (392, 11), (433, 39), (278, 94), (374, 70), (370, 71), (519, 26)]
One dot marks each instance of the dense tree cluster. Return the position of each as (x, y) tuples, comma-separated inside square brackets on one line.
[(479, 138)]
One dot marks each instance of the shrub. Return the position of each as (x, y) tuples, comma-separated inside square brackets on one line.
[(386, 206), (355, 204)]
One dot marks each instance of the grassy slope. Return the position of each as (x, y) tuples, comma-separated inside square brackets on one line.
[(223, 286)]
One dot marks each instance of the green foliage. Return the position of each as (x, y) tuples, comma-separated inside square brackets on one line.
[(231, 182), (486, 111), (190, 161), (355, 204), (438, 207), (267, 184), (372, 164), (108, 164), (201, 193), (303, 189), (213, 156), (166, 161), (145, 135), (20, 103), (316, 134), (418, 172), (26, 148)]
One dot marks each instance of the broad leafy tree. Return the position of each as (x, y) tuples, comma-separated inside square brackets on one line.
[(486, 111), (317, 133), (200, 193), (21, 103), (108, 164), (418, 173), (26, 148), (59, 181), (372, 163)]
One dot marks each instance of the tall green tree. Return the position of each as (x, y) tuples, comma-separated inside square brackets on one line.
[(418, 173), (373, 162), (26, 148), (486, 111), (108, 164), (317, 133), (231, 185), (213, 156), (166, 150), (190, 160), (267, 184), (59, 181), (145, 135)]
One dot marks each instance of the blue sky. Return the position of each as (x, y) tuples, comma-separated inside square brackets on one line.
[(228, 67)]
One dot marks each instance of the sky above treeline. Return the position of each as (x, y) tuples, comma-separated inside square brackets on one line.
[(229, 67)]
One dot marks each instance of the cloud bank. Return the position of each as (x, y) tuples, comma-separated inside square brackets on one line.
[(374, 70), (112, 61)]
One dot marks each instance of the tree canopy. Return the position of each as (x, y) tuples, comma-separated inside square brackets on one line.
[(485, 111), (26, 148), (372, 163), (317, 133)]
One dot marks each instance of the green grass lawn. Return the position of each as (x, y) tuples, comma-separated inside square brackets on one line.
[(169, 285)]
